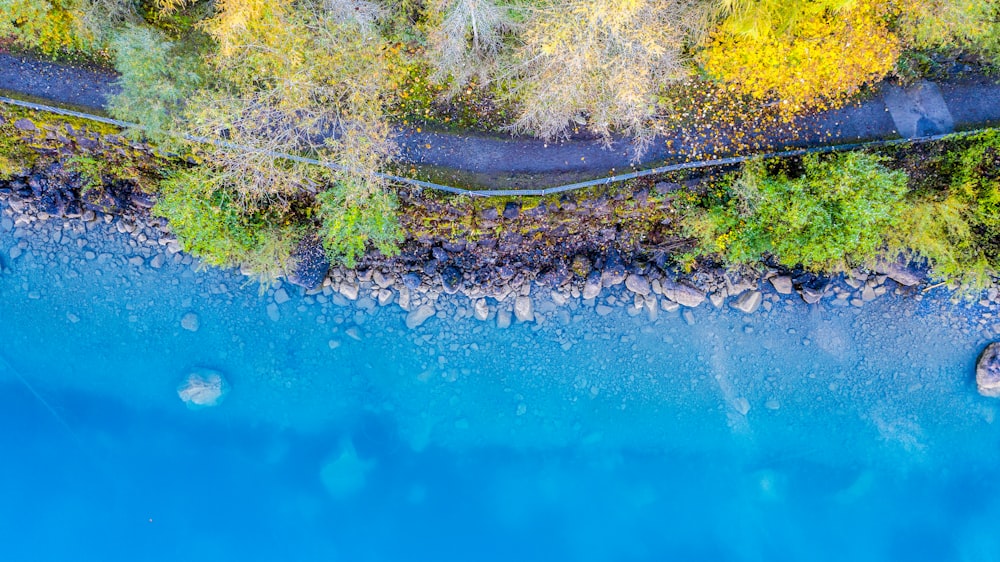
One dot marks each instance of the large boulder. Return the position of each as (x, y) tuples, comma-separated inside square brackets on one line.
[(683, 294), (203, 388), (524, 309), (988, 371), (308, 265), (901, 271)]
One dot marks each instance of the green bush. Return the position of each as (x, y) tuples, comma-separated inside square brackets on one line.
[(958, 228), (355, 215), (210, 224), (838, 213)]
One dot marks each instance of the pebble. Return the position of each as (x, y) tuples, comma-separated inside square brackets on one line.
[(272, 312), (15, 253), (281, 296)]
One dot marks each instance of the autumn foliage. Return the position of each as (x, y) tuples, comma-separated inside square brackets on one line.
[(804, 53)]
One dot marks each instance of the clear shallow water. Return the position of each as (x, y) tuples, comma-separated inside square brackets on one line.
[(597, 438)]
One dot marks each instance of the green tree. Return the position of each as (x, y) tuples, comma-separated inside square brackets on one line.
[(838, 213)]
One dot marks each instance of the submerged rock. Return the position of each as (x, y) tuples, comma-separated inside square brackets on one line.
[(190, 322), (988, 371), (748, 302), (417, 317), (345, 474), (203, 388)]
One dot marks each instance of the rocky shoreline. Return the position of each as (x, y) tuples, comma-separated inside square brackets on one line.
[(429, 269)]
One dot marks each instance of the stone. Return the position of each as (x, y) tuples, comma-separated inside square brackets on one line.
[(190, 322), (382, 279), (901, 272), (988, 371), (524, 309), (308, 265), (481, 310), (592, 286), (511, 210), (281, 296), (638, 284), (25, 125), (157, 261), (142, 200), (451, 279), (273, 313), (683, 294), (868, 294), (668, 305), (385, 297), (614, 270), (419, 315), (411, 281), (503, 318), (782, 284), (748, 302), (810, 294), (349, 290), (203, 388), (15, 253)]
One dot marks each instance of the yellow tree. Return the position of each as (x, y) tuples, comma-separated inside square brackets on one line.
[(803, 53)]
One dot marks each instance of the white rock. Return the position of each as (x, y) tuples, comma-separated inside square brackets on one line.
[(190, 322), (203, 388), (349, 290), (782, 284), (748, 302), (481, 310), (682, 294), (524, 309)]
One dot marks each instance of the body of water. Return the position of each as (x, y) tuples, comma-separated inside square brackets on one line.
[(799, 433)]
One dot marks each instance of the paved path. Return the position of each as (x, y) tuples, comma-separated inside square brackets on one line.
[(520, 162)]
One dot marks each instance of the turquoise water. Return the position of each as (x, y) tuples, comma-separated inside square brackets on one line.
[(802, 433)]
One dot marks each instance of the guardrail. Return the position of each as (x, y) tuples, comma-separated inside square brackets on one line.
[(501, 192)]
